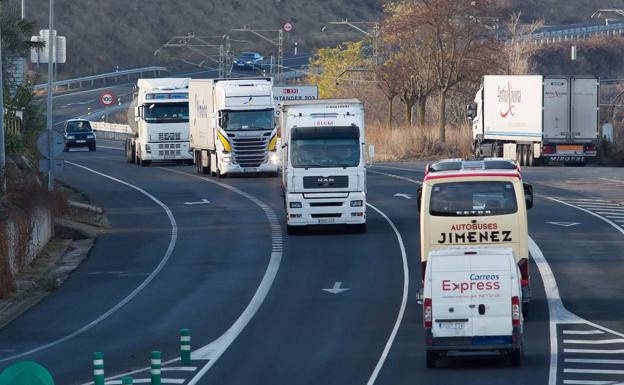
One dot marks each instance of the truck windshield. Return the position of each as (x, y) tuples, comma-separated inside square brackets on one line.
[(325, 152), (481, 198), (247, 120), (166, 112)]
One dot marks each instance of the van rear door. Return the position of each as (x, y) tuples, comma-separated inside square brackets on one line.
[(451, 300), (491, 282)]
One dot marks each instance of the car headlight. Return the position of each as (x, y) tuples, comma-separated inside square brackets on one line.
[(248, 62), (90, 137), (274, 158), (71, 137), (295, 205), (357, 203), (148, 149)]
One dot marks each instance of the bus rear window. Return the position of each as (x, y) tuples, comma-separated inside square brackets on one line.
[(459, 199)]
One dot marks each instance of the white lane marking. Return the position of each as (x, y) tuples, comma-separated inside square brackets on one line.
[(583, 332), (77, 103), (588, 200), (216, 348), (593, 361), (137, 290), (613, 209), (394, 176), (337, 289), (594, 351), (589, 382), (395, 330), (401, 195), (610, 213), (593, 371), (613, 180), (179, 369), (398, 168), (148, 380), (615, 226), (595, 342), (58, 96), (601, 204), (564, 224), (204, 201)]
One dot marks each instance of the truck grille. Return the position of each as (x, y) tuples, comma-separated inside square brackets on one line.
[(339, 181), (250, 151), (168, 149), (163, 136)]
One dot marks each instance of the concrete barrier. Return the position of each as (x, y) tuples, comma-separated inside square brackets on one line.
[(112, 131)]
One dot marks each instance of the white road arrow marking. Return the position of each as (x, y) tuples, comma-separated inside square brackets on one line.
[(337, 289), (564, 224), (202, 202), (406, 196)]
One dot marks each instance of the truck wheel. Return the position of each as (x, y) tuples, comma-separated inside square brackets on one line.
[(525, 155), (477, 149), (432, 358), (198, 164), (145, 163), (530, 159), (516, 356)]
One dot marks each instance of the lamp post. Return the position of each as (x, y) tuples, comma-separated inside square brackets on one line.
[(51, 60), (2, 156)]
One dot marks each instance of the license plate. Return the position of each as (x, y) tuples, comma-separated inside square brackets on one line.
[(251, 169), (326, 220), (569, 149), (451, 325), (80, 141)]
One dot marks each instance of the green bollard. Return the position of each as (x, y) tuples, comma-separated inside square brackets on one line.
[(98, 368), (185, 346), (126, 381), (156, 365)]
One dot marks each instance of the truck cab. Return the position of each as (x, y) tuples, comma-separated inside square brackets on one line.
[(324, 163), (160, 122)]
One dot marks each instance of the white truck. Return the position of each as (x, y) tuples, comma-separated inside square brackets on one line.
[(532, 118), (232, 126), (324, 163), (160, 122)]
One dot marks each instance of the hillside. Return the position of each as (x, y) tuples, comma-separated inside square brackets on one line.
[(104, 34)]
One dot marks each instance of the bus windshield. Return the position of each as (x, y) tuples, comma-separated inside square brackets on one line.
[(455, 199)]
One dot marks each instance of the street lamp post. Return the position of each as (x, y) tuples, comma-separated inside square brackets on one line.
[(51, 60)]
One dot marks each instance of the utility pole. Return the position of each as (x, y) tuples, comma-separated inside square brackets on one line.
[(279, 43), (51, 60), (2, 155)]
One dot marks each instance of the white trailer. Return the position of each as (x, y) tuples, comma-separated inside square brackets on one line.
[(324, 163), (160, 122), (232, 126), (536, 118)]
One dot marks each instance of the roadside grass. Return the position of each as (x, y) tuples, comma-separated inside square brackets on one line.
[(407, 142)]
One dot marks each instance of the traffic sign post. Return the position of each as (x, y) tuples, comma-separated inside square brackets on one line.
[(107, 99), (50, 144)]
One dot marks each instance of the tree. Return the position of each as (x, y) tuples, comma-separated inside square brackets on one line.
[(335, 64), (518, 49), (458, 38)]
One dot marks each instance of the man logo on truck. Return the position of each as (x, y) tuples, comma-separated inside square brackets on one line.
[(325, 181), (509, 97)]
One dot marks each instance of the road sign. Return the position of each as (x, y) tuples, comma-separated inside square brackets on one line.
[(287, 27), (281, 94), (57, 143), (26, 373), (107, 99)]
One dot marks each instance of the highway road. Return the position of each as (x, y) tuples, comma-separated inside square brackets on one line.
[(212, 255)]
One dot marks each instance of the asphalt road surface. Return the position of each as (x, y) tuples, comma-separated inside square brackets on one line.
[(189, 251)]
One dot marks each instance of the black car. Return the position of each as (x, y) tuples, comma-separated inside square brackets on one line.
[(78, 133), (248, 61)]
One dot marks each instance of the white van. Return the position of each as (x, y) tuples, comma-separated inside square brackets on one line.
[(472, 301)]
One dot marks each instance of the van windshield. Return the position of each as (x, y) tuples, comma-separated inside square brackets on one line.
[(78, 126), (455, 199)]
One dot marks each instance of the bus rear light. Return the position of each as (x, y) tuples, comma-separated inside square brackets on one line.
[(427, 313), (515, 311)]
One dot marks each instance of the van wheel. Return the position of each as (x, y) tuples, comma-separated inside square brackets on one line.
[(432, 359), (516, 356)]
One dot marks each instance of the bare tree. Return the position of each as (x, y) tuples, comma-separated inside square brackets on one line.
[(520, 46)]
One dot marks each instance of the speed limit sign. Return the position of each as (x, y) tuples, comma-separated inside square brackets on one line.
[(287, 27), (107, 99)]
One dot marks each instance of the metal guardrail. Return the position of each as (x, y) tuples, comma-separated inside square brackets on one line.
[(575, 33), (154, 70)]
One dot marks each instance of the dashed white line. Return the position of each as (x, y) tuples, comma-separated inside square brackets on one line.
[(593, 361), (594, 351), (148, 380), (589, 382), (399, 168), (594, 371), (395, 176), (179, 369), (595, 342), (137, 290), (583, 332)]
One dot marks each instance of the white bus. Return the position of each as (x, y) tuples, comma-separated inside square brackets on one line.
[(476, 204)]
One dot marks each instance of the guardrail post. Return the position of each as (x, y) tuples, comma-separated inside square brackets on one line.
[(185, 346), (156, 366), (127, 381), (98, 368)]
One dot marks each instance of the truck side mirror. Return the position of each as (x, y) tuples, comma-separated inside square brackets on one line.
[(137, 113), (471, 110), (528, 195), (419, 198)]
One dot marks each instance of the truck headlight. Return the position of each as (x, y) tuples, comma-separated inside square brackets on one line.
[(227, 158), (295, 205), (357, 203), (148, 149), (274, 158)]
